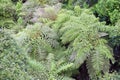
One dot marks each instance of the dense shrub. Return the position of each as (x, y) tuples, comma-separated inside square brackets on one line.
[(7, 13), (13, 65), (109, 9)]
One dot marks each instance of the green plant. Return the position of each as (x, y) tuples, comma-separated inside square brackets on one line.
[(9, 14), (81, 30), (111, 76), (38, 39), (108, 8), (32, 12), (113, 32), (50, 43), (50, 69), (13, 62), (7, 11)]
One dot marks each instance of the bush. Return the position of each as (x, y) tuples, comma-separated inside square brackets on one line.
[(7, 13), (108, 8), (13, 65)]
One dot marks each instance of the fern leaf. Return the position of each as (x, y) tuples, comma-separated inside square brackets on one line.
[(97, 62), (64, 67)]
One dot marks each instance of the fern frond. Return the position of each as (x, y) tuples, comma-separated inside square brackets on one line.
[(97, 62), (64, 67), (90, 68), (51, 63), (64, 78), (37, 65)]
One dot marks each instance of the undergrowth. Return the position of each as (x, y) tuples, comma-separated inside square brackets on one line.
[(41, 40)]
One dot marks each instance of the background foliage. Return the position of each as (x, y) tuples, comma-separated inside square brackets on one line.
[(108, 9), (52, 39)]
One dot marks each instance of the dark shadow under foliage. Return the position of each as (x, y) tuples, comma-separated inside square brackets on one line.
[(115, 67), (83, 73), (23, 1), (103, 18)]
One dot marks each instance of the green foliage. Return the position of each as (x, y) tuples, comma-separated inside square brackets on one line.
[(18, 6), (7, 11), (70, 4), (49, 69), (13, 64), (32, 12), (38, 39), (109, 8), (114, 33), (50, 43), (9, 14), (81, 30), (15, 61), (111, 76)]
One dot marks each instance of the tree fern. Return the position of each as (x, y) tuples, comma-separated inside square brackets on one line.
[(37, 39), (82, 33)]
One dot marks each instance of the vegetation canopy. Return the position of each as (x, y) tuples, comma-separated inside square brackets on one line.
[(59, 40)]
